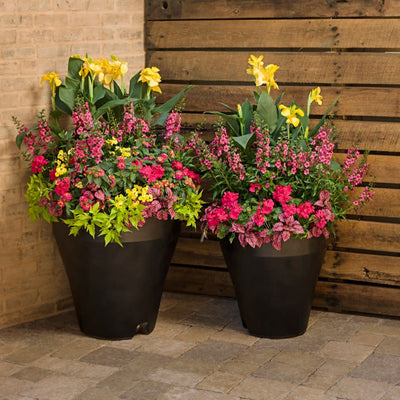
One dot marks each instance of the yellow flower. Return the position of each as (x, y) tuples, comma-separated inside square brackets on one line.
[(118, 67), (79, 185), (151, 77), (269, 76), (290, 114), (112, 141), (315, 96), (105, 71), (125, 152), (60, 169), (256, 64), (119, 200), (62, 156), (53, 79)]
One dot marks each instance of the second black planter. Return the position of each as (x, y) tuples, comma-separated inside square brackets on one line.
[(117, 290), (274, 289)]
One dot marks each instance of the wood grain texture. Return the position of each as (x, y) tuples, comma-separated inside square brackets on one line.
[(327, 68), (353, 101), (369, 135), (229, 9), (274, 34)]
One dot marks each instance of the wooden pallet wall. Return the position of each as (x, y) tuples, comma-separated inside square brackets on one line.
[(350, 49)]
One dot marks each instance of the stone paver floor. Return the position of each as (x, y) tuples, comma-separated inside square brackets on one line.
[(199, 350)]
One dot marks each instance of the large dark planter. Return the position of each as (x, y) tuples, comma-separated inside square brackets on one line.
[(117, 290), (274, 289)]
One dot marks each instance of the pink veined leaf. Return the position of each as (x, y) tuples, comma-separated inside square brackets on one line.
[(285, 236), (251, 239), (278, 227), (237, 228)]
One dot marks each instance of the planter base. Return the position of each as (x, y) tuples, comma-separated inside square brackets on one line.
[(274, 289), (117, 290)]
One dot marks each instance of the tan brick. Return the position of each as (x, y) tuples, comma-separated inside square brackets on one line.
[(11, 52), (117, 19), (33, 5), (15, 20), (35, 36), (51, 19), (84, 19), (71, 5), (59, 50), (8, 5)]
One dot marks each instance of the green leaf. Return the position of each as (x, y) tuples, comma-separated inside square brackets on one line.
[(244, 140), (74, 66), (109, 105), (72, 83), (20, 138), (162, 119), (171, 103), (322, 120), (231, 121), (335, 166), (117, 90), (248, 116), (55, 128), (98, 93), (266, 110), (135, 87), (67, 96)]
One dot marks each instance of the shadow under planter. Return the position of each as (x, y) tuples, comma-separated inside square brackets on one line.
[(275, 289), (117, 290)]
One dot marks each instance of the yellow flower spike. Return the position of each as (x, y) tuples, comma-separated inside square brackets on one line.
[(316, 96), (152, 77), (290, 114), (125, 152), (53, 79)]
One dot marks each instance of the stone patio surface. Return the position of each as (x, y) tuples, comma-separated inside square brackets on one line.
[(199, 350)]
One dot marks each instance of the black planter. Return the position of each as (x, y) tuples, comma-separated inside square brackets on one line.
[(274, 289), (117, 290)]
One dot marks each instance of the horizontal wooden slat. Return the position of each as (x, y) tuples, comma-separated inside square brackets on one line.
[(220, 9), (295, 67), (379, 206), (197, 280), (382, 169), (338, 264), (359, 298), (373, 136), (354, 234), (366, 235), (384, 270), (273, 34), (328, 295), (353, 101)]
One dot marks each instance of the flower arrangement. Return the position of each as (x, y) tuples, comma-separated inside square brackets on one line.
[(271, 176), (114, 168)]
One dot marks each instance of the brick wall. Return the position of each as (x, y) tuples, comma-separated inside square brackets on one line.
[(36, 37)]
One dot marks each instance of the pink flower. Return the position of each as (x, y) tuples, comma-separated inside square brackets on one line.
[(152, 172), (121, 163), (267, 206), (235, 210), (177, 165), (289, 209), (254, 187), (37, 164), (282, 193), (229, 199), (62, 186), (304, 210)]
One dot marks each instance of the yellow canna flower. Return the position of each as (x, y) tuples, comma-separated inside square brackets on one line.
[(53, 79), (151, 77), (256, 64), (315, 96), (118, 67), (290, 114), (269, 76)]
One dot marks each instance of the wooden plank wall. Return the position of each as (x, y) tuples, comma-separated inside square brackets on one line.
[(350, 49)]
